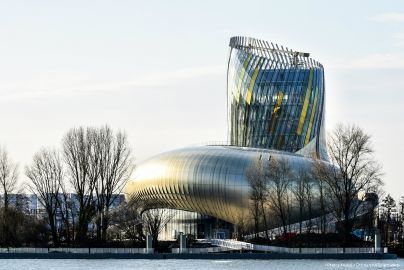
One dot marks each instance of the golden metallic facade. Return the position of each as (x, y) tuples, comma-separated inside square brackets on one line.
[(209, 179)]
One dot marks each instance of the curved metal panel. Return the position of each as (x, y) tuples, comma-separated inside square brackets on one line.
[(212, 178)]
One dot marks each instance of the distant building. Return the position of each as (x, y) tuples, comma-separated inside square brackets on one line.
[(32, 205)]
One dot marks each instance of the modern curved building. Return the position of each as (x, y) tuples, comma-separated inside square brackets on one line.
[(275, 102)]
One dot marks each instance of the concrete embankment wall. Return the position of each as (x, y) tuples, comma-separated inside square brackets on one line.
[(212, 256)]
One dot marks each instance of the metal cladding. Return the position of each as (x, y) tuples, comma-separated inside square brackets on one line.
[(275, 98), (275, 109), (206, 179)]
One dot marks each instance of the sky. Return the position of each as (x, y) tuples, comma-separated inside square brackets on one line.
[(157, 69)]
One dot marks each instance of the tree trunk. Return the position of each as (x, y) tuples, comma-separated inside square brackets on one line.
[(98, 229), (300, 218), (82, 229), (256, 219), (53, 230), (265, 221), (105, 224)]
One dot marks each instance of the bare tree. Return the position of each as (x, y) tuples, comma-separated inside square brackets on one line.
[(8, 184), (99, 164), (67, 209), (127, 221), (280, 174), (257, 181), (309, 198), (353, 172), (77, 150), (242, 225), (299, 191), (322, 204), (46, 174), (113, 158), (8, 176), (155, 216), (389, 206)]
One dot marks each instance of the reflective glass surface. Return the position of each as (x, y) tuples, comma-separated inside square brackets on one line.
[(275, 97)]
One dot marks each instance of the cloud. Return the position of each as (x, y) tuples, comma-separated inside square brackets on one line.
[(379, 61), (371, 61), (40, 89), (389, 17), (399, 39)]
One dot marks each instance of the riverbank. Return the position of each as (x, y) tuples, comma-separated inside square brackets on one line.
[(208, 256)]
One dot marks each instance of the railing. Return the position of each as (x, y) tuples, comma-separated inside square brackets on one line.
[(212, 143), (75, 250), (232, 244), (312, 224), (222, 246), (238, 245), (200, 250)]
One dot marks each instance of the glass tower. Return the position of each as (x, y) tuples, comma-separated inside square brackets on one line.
[(275, 98)]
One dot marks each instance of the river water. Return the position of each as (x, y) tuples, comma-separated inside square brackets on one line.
[(26, 264)]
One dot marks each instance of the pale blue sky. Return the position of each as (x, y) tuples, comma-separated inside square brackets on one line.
[(156, 69)]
